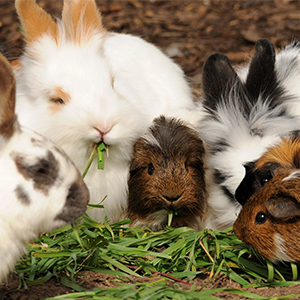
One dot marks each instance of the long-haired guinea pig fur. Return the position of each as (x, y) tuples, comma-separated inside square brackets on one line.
[(167, 172), (247, 114), (270, 218)]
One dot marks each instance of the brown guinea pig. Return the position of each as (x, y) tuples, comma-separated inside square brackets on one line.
[(167, 172), (270, 218)]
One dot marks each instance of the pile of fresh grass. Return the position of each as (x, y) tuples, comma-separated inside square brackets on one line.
[(178, 254)]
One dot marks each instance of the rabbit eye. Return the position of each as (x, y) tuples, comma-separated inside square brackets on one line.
[(150, 169), (58, 100), (261, 218)]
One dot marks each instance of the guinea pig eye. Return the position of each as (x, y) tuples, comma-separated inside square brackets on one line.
[(261, 218), (150, 169), (263, 181), (186, 166), (57, 100)]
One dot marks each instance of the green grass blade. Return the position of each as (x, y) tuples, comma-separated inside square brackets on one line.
[(90, 160)]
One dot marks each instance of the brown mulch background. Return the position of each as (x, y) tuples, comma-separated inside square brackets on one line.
[(188, 31)]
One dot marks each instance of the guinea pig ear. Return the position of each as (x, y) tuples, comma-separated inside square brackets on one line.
[(35, 21), (8, 120), (245, 189), (217, 79), (261, 77), (134, 166), (295, 140), (283, 207), (296, 162), (295, 135)]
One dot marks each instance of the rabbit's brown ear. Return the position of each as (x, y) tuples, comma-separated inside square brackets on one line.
[(7, 99), (81, 19), (35, 21), (283, 207)]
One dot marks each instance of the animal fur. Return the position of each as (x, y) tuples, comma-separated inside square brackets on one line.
[(270, 219), (167, 173), (40, 188), (79, 84), (247, 114)]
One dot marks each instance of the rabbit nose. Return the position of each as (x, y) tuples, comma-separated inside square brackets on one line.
[(172, 199), (103, 130), (76, 202)]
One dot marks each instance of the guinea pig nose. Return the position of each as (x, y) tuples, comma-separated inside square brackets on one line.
[(172, 199)]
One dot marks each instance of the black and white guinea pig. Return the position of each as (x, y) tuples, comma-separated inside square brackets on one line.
[(167, 172)]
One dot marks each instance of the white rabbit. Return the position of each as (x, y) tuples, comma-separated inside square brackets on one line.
[(40, 187), (79, 84), (246, 115)]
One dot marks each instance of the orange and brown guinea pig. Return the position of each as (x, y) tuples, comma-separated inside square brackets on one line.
[(270, 219)]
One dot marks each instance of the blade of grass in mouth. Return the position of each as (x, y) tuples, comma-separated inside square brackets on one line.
[(170, 216), (98, 148), (101, 147)]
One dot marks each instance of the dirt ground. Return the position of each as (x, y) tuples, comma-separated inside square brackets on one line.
[(10, 291), (188, 31)]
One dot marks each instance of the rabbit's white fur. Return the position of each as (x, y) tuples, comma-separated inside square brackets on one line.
[(21, 222), (115, 84), (40, 187), (247, 113)]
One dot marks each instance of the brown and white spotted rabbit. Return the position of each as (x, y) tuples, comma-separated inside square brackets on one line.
[(40, 187)]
